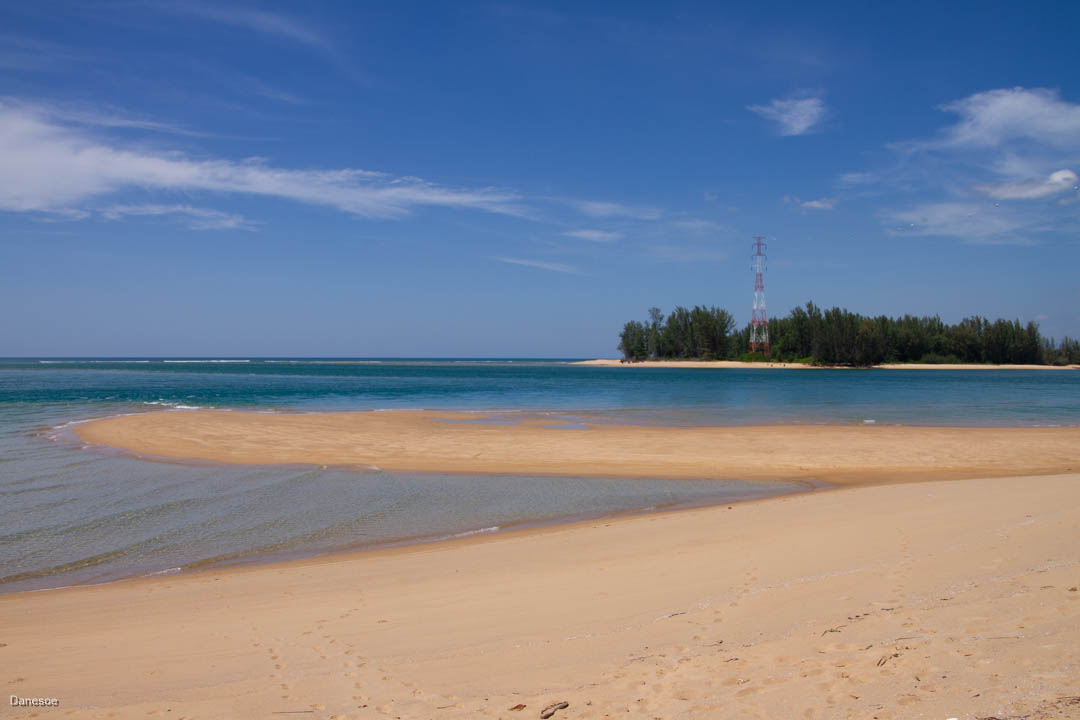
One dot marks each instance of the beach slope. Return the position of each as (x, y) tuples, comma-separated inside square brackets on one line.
[(938, 599)]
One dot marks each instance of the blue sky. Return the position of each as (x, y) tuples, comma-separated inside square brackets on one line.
[(517, 179)]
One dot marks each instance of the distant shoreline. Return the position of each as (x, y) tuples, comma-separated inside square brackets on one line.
[(729, 364)]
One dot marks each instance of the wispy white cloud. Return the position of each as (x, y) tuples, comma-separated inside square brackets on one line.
[(97, 117), (1058, 182), (198, 218), (989, 119), (1012, 145), (856, 179), (271, 93), (600, 209), (973, 222), (796, 116), (598, 236), (48, 167), (687, 239), (261, 21), (698, 225), (541, 264), (825, 203), (18, 52)]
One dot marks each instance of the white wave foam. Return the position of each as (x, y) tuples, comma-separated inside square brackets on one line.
[(173, 405), (205, 361), (58, 432), (88, 362), (469, 533)]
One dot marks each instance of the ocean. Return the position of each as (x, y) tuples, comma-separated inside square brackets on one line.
[(73, 514)]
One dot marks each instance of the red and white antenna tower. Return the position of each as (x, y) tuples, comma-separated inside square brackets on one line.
[(759, 322)]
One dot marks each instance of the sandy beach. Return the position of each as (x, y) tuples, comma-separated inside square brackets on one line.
[(954, 597), (714, 364), (469, 442), (721, 364), (941, 599)]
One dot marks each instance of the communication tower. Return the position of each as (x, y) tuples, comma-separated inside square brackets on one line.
[(759, 321)]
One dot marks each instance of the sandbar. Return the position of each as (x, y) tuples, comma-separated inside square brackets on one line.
[(466, 442)]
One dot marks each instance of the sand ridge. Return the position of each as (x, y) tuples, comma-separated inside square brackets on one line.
[(465, 442)]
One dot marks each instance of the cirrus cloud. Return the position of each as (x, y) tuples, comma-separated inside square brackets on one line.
[(198, 218), (1058, 182), (988, 119), (597, 236), (602, 209), (794, 116), (52, 167), (541, 264), (999, 173)]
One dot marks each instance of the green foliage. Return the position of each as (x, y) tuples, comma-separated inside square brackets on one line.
[(839, 337), (702, 333), (633, 341), (1067, 353), (935, 359)]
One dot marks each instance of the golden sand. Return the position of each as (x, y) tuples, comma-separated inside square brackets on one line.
[(448, 442), (940, 599), (947, 599)]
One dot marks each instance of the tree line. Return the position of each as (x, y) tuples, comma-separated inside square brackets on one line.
[(839, 337)]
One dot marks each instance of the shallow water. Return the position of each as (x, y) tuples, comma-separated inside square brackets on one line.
[(72, 514)]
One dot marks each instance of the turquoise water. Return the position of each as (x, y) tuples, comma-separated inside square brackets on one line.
[(72, 514)]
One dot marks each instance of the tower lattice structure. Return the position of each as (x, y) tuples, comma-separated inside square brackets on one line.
[(759, 321)]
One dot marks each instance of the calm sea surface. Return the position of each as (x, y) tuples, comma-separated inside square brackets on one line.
[(71, 514)]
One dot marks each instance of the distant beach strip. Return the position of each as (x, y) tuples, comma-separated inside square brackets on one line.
[(739, 364)]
